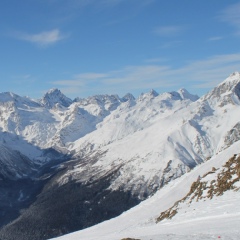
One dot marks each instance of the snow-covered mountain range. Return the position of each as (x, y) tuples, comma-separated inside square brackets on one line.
[(106, 148)]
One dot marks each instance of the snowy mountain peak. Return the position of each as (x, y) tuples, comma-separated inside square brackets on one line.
[(54, 96), (118, 149), (53, 90), (128, 97), (230, 82), (186, 95), (233, 79), (15, 100), (8, 96), (148, 95), (233, 76), (226, 92), (105, 102), (153, 93)]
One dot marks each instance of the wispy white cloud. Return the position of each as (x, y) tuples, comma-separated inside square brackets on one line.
[(110, 3), (43, 38), (168, 31), (72, 9), (231, 15), (136, 6), (91, 76), (81, 80), (136, 74), (113, 3), (23, 79), (212, 39), (100, 4), (171, 44), (203, 74), (156, 60)]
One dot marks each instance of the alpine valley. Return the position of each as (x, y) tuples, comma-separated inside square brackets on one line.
[(66, 165)]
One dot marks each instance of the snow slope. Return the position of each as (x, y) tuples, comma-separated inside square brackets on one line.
[(130, 147), (35, 127), (157, 138), (151, 140), (14, 165), (214, 218), (55, 119)]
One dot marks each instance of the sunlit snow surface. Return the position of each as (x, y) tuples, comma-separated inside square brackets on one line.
[(158, 138), (218, 218)]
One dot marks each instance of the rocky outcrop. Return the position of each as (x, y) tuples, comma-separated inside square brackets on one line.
[(224, 179)]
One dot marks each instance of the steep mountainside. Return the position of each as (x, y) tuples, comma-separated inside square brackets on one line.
[(84, 155), (186, 208), (14, 165), (158, 138)]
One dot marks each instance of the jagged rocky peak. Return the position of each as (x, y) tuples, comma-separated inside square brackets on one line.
[(55, 96), (107, 98), (226, 92), (186, 95), (104, 101), (231, 83), (128, 97), (171, 96), (233, 77), (149, 95), (97, 99), (153, 93)]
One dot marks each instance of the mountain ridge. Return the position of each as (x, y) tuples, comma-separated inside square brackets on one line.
[(108, 147)]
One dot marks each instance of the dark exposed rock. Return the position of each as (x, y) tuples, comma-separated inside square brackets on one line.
[(232, 136), (224, 181)]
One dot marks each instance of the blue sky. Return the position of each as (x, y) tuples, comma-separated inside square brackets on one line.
[(88, 47)]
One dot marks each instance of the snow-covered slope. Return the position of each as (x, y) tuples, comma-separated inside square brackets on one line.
[(157, 138), (14, 165), (55, 120), (121, 149), (203, 218), (51, 122), (151, 140)]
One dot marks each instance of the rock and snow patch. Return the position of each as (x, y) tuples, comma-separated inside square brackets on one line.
[(208, 218), (55, 96), (158, 129), (213, 183)]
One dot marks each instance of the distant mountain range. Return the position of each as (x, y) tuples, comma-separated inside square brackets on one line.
[(69, 164)]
